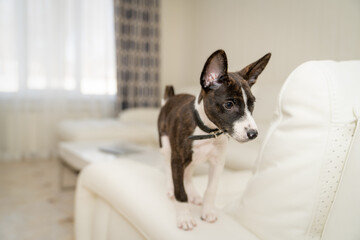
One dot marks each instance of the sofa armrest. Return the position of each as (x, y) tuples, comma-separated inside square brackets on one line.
[(137, 193), (107, 129)]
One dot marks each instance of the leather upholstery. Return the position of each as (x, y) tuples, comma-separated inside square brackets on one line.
[(305, 184)]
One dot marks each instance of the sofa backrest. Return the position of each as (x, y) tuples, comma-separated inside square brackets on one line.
[(302, 174), (141, 115)]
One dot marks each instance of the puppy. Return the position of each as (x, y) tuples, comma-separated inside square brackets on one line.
[(193, 130)]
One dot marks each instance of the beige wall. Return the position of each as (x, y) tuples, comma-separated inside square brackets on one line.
[(176, 30), (294, 31)]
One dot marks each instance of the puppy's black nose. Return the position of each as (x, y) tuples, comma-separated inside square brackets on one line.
[(252, 133)]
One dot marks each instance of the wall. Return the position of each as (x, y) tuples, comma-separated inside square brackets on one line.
[(176, 42), (294, 31)]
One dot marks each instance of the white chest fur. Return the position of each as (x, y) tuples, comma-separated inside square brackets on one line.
[(212, 150)]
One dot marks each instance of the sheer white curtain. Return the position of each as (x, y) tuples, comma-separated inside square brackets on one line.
[(57, 61)]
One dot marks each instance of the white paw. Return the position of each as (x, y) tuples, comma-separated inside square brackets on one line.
[(184, 219), (186, 222), (196, 199), (209, 215), (170, 194)]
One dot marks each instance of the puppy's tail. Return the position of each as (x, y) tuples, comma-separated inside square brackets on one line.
[(169, 92)]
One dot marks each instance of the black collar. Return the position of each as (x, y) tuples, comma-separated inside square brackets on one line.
[(213, 133)]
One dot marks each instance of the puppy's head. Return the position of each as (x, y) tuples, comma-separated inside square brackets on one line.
[(227, 98)]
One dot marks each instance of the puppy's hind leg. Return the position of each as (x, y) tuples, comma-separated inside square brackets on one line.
[(166, 151)]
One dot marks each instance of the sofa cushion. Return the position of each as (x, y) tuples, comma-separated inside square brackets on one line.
[(137, 192), (303, 155)]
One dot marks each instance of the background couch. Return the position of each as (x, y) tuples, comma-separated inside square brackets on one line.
[(304, 184)]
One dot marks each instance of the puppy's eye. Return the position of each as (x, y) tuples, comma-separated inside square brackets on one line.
[(228, 105)]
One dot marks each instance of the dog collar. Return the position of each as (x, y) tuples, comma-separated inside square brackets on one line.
[(213, 133)]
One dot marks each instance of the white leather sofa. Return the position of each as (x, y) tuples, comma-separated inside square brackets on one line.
[(304, 184)]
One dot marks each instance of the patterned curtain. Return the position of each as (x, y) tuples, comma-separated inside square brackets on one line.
[(137, 29)]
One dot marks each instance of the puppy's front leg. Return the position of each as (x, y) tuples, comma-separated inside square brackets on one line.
[(184, 218), (209, 212)]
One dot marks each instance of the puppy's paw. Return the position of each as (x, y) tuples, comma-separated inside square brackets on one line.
[(170, 194), (195, 199), (209, 215), (184, 219), (186, 222)]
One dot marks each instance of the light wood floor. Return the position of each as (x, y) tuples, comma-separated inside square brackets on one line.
[(32, 207)]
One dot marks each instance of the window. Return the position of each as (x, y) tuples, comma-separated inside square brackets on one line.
[(66, 46)]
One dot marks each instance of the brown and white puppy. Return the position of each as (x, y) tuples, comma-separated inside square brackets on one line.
[(193, 130)]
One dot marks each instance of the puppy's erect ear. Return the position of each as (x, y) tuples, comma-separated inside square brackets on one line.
[(253, 70), (214, 68)]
